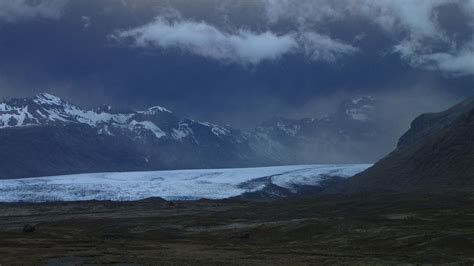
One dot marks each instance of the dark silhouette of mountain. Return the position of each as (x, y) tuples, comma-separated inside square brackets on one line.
[(428, 124), (436, 154)]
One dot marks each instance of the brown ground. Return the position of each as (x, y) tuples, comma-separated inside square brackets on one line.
[(326, 230)]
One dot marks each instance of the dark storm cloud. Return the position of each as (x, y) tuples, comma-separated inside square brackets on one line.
[(419, 36), (415, 26), (237, 62)]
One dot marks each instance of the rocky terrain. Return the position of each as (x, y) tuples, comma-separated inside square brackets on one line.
[(389, 229)]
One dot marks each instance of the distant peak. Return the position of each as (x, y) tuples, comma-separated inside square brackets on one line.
[(46, 96), (48, 99), (360, 109), (156, 110), (362, 99)]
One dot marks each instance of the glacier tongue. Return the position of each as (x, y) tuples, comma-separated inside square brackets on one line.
[(171, 185)]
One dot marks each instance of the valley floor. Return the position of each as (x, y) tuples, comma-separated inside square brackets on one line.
[(377, 229)]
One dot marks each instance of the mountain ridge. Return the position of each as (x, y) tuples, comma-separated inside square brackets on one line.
[(108, 139)]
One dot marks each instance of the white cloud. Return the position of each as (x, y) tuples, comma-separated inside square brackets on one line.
[(415, 16), (426, 45), (461, 63), (302, 11), (20, 10), (457, 61), (322, 48), (412, 24), (200, 38), (242, 47), (86, 22)]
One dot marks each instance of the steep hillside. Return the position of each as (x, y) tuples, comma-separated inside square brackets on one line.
[(440, 160), (428, 124)]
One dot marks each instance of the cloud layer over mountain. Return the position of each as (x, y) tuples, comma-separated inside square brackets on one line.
[(237, 62), (21, 10)]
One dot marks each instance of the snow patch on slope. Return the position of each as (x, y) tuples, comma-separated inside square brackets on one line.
[(48, 99), (148, 126), (155, 110), (356, 114), (15, 117), (291, 130), (215, 129), (182, 131)]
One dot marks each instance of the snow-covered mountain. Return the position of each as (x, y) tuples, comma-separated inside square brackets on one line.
[(46, 135), (46, 109), (351, 135)]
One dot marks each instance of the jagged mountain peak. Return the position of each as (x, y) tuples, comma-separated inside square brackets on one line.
[(154, 123), (156, 110), (48, 99), (46, 109)]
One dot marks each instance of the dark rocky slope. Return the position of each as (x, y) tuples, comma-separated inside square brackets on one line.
[(437, 154), (429, 124)]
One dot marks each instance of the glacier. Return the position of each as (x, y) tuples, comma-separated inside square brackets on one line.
[(170, 185)]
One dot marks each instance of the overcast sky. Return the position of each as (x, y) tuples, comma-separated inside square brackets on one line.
[(238, 62)]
